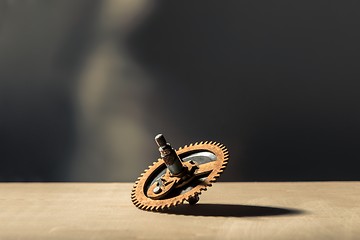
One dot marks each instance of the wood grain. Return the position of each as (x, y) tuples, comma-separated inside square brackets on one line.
[(305, 210)]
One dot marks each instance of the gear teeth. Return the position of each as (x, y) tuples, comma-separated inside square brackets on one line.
[(220, 150), (203, 189)]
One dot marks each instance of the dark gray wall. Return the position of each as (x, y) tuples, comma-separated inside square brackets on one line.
[(41, 47), (275, 81)]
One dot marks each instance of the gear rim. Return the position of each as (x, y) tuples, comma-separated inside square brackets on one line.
[(138, 195)]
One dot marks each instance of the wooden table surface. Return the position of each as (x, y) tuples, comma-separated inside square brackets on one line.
[(304, 210)]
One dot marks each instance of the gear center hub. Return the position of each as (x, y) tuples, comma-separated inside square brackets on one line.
[(178, 173)]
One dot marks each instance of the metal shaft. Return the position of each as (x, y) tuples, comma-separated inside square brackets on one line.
[(168, 154)]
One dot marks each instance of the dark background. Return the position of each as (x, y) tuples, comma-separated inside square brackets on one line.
[(85, 86)]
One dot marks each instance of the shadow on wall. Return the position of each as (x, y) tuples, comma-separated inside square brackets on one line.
[(86, 86)]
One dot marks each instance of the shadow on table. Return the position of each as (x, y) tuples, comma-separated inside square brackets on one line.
[(231, 210)]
